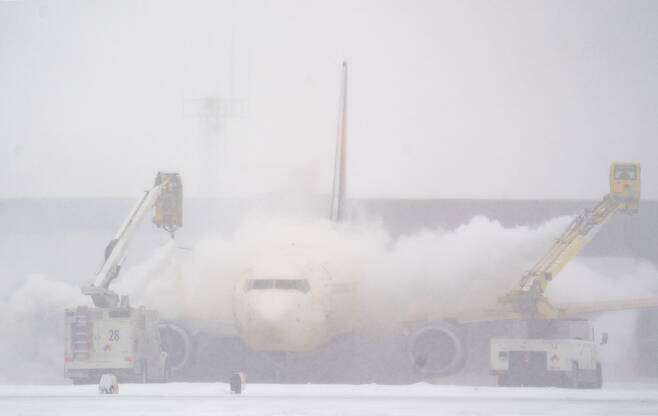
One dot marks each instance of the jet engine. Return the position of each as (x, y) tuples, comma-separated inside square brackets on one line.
[(176, 343), (437, 349)]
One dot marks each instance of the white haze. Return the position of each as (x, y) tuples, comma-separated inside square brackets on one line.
[(436, 272), (430, 273), (32, 318), (509, 99), (489, 99)]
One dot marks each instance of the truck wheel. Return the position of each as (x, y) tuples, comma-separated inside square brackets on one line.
[(503, 380)]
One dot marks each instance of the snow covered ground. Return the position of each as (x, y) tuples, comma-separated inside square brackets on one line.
[(263, 399)]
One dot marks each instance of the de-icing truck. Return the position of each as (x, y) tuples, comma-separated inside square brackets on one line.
[(112, 336)]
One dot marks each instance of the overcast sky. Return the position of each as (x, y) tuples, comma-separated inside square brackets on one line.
[(466, 99)]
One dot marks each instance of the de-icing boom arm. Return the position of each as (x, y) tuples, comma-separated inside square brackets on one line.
[(166, 198), (624, 197)]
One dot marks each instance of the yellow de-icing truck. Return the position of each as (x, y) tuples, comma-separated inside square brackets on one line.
[(557, 349)]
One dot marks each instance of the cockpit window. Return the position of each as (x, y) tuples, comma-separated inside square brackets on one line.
[(292, 284), (262, 284), (300, 285)]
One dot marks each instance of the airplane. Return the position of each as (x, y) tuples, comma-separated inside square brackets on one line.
[(298, 316)]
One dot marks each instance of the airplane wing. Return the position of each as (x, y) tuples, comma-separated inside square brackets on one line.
[(571, 309), (565, 310)]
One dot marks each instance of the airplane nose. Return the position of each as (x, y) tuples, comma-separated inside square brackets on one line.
[(275, 321), (270, 308)]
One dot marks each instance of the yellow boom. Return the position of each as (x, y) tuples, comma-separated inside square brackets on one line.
[(624, 198)]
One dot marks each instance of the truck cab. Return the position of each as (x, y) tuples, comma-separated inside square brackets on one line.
[(625, 185)]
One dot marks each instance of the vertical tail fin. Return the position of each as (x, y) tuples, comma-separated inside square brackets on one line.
[(338, 195)]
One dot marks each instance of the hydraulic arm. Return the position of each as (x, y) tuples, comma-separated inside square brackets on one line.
[(624, 197), (166, 197)]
